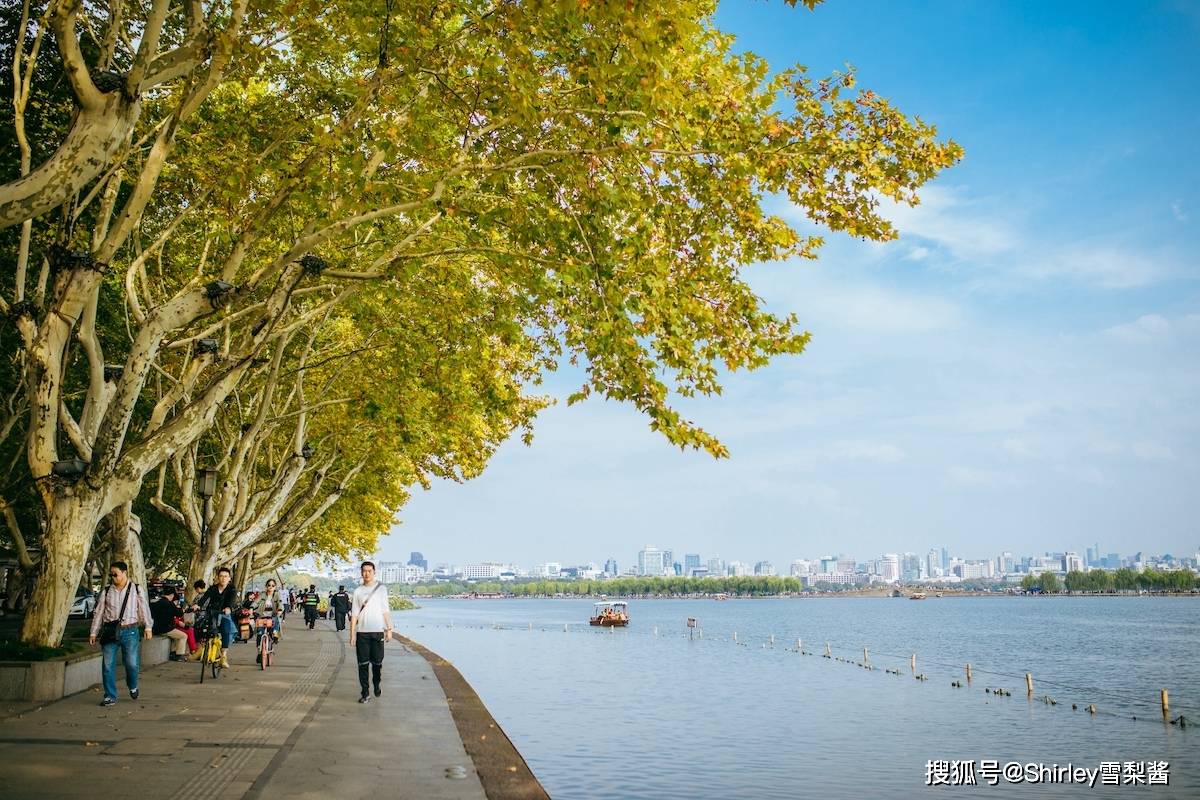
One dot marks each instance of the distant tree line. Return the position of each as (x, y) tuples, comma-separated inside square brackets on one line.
[(759, 586), (1121, 580)]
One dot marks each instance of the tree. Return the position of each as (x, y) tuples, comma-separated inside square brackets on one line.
[(1050, 583), (598, 177)]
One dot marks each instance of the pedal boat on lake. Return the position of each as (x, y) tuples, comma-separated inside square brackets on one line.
[(917, 596), (613, 614)]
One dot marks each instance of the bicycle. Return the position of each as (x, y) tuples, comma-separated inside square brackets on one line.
[(210, 650), (266, 642)]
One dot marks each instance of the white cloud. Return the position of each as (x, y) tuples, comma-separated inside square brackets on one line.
[(1152, 451), (1178, 212), (1144, 329), (984, 235), (1105, 266), (949, 218), (979, 477), (1021, 448), (881, 452)]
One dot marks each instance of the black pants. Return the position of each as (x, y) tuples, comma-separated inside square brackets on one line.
[(310, 615), (341, 620), (369, 648)]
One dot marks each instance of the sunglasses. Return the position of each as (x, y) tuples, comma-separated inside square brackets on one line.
[(113, 574)]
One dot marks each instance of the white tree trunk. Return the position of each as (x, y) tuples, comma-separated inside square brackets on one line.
[(73, 519)]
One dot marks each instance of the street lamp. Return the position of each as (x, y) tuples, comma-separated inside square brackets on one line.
[(208, 487)]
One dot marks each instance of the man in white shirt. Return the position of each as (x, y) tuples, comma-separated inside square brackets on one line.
[(370, 628)]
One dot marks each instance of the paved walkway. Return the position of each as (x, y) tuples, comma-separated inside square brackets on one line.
[(294, 730)]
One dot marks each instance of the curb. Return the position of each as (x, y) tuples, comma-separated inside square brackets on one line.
[(501, 767)]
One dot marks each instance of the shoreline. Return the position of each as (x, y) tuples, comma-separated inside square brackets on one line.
[(879, 594), (501, 768)]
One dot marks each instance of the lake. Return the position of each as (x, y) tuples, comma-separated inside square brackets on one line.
[(630, 714)]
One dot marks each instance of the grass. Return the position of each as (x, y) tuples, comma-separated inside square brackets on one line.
[(16, 650)]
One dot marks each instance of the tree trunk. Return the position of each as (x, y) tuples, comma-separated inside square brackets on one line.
[(244, 565), (203, 565), (71, 522), (95, 138), (125, 528)]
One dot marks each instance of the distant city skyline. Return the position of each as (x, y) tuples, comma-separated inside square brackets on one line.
[(1017, 371)]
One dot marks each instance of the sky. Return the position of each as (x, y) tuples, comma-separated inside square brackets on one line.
[(1019, 372)]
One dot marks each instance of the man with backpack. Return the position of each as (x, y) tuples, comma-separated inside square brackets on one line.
[(122, 608)]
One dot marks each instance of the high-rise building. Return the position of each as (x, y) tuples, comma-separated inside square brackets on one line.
[(829, 565), (1071, 562), (651, 561), (845, 563), (910, 567), (668, 562), (738, 570), (391, 571), (1091, 556), (417, 559), (716, 567), (933, 564), (889, 567), (610, 566), (800, 567), (690, 562), (945, 559), (764, 569)]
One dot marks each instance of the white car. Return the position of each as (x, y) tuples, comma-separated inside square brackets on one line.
[(85, 603)]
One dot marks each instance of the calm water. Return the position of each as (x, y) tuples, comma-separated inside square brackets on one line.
[(629, 715)]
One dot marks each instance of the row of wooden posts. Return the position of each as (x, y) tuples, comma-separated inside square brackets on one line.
[(912, 661)]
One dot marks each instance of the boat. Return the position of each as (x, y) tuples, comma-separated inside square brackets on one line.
[(917, 596), (721, 596), (939, 594), (610, 614)]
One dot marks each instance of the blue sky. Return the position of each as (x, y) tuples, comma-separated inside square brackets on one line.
[(1020, 371)]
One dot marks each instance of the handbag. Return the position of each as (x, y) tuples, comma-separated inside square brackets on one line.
[(108, 630)]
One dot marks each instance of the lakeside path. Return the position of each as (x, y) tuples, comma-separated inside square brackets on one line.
[(294, 730)]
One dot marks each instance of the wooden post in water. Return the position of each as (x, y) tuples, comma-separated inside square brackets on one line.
[(799, 645), (912, 662), (564, 627), (968, 673), (531, 626), (828, 652), (1166, 706), (772, 640), (1029, 683), (656, 630), (735, 637), (866, 657)]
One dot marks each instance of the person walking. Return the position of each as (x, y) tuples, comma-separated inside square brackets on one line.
[(121, 609), (165, 612), (370, 629), (310, 599), (341, 607)]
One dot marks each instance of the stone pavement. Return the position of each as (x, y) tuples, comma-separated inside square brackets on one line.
[(294, 730)]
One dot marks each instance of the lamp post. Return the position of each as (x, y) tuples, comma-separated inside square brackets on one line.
[(208, 487)]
